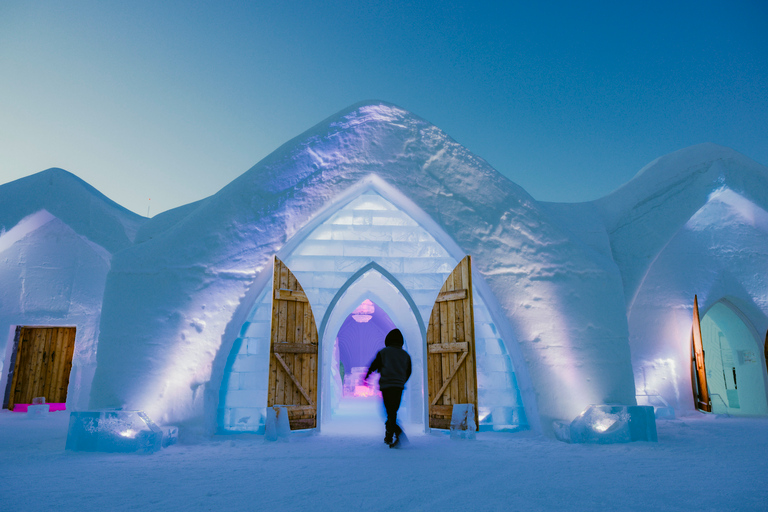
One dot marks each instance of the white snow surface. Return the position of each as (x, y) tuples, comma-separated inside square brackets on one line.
[(563, 299), (706, 463)]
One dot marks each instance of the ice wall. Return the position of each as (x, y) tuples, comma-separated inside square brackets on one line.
[(173, 302)]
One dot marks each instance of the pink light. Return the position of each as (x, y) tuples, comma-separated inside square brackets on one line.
[(51, 407), (364, 391), (364, 312), (365, 308)]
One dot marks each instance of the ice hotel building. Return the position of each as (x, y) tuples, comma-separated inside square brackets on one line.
[(276, 288)]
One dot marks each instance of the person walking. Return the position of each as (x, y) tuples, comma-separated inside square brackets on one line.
[(394, 367)]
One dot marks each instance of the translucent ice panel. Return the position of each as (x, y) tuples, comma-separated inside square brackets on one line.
[(605, 424), (113, 431)]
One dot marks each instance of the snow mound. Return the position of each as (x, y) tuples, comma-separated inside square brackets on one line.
[(643, 215), (83, 208)]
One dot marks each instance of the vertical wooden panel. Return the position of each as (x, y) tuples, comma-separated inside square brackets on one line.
[(66, 362), (12, 398), (701, 391), (43, 364), (293, 378), (452, 374), (50, 367)]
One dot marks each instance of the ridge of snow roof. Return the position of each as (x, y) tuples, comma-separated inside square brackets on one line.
[(694, 172), (643, 215), (269, 203), (76, 203)]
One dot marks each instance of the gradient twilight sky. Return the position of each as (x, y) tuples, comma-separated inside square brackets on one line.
[(172, 100)]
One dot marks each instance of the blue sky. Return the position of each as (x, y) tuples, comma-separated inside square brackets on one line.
[(172, 100)]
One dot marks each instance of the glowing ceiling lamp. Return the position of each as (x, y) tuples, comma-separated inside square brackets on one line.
[(364, 312)]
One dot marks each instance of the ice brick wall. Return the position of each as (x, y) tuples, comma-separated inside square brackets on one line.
[(499, 404), (368, 229)]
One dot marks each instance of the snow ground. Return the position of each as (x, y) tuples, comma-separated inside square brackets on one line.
[(700, 462)]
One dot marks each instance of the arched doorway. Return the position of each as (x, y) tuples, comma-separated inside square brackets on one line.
[(735, 376), (392, 307)]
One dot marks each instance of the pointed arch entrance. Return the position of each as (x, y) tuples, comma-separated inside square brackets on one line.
[(373, 239), (374, 283)]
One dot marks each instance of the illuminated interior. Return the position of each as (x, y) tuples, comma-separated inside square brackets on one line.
[(360, 337), (735, 374)]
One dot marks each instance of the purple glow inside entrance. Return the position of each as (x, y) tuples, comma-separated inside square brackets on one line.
[(359, 341)]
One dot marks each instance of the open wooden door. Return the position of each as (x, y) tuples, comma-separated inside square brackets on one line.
[(698, 368), (42, 365), (451, 366), (293, 351)]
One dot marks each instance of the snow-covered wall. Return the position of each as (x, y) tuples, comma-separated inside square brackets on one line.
[(176, 302), (590, 302), (690, 223), (56, 238)]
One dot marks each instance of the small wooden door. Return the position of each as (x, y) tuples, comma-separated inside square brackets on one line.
[(42, 366), (451, 366), (293, 351), (698, 367)]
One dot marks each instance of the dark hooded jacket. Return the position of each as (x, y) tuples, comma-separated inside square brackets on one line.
[(392, 362)]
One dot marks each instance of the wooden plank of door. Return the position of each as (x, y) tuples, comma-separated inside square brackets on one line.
[(451, 295), (59, 360), (438, 348), (26, 370), (16, 369), (702, 396), (450, 378), (295, 348), (67, 368), (469, 330), (291, 295), (37, 363), (293, 379), (49, 364)]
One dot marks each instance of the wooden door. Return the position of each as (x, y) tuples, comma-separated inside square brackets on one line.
[(43, 363), (698, 368), (293, 350), (451, 366)]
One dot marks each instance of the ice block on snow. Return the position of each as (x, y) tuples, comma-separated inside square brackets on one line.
[(463, 421), (113, 431), (605, 424), (277, 423)]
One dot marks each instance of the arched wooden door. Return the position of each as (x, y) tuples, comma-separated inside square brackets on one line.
[(698, 368), (451, 365), (293, 350)]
